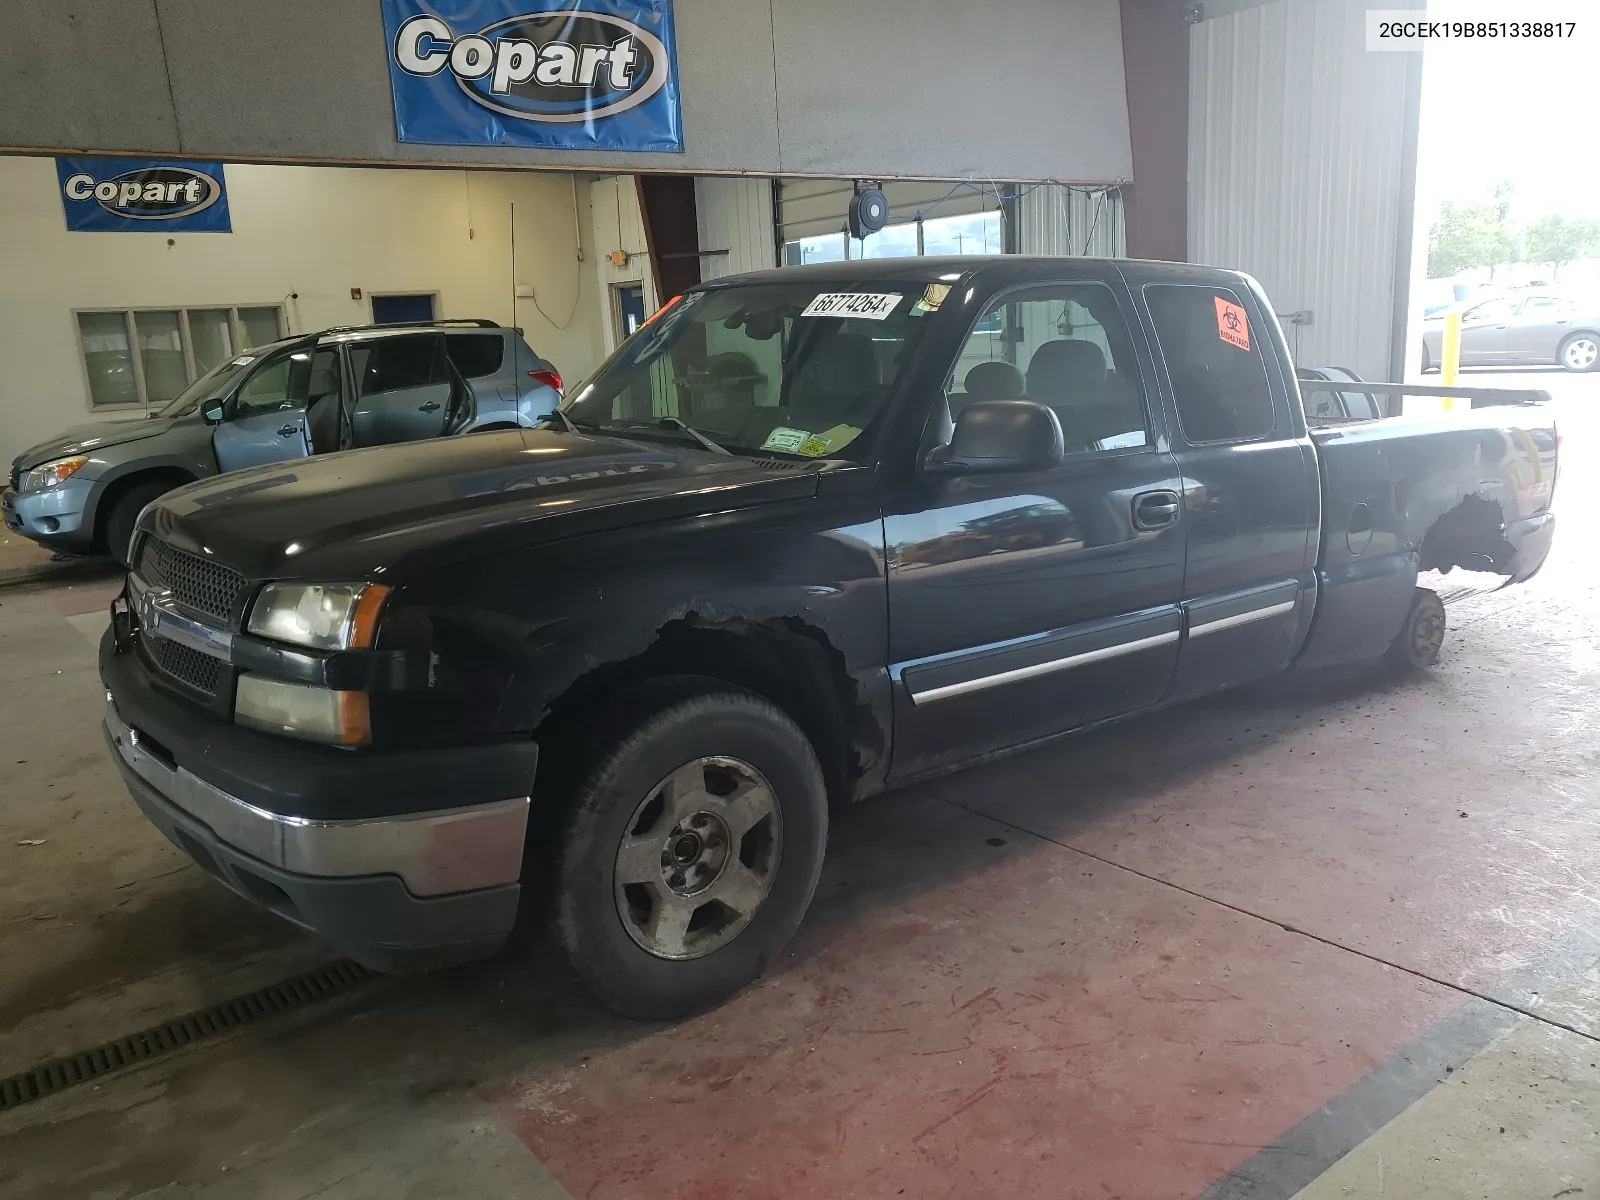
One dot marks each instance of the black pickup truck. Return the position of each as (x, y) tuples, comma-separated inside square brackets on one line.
[(807, 535)]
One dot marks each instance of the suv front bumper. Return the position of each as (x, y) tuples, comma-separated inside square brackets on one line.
[(53, 517), (407, 890)]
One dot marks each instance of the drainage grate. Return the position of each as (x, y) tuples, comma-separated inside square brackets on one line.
[(125, 1052)]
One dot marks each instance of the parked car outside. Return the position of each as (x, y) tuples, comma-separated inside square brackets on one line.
[(338, 389), (1534, 328), (789, 547)]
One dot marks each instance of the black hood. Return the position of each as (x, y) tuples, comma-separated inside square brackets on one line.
[(395, 511)]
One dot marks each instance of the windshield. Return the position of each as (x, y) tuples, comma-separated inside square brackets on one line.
[(796, 370), (208, 385)]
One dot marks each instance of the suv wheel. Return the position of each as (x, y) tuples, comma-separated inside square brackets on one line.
[(691, 855), (119, 524)]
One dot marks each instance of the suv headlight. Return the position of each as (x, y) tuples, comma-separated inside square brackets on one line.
[(52, 474), (321, 616)]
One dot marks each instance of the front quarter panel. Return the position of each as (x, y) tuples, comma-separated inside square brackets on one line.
[(185, 447), (515, 631)]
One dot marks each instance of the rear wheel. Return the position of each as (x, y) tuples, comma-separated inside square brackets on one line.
[(691, 855), (1580, 352), (1421, 635), (126, 510)]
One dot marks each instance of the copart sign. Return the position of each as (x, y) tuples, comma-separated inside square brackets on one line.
[(143, 195), (555, 74)]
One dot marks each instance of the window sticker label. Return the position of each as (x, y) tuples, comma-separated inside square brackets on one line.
[(1232, 327), (785, 439), (931, 299), (869, 306), (828, 440)]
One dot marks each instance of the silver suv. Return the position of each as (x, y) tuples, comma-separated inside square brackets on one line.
[(339, 389)]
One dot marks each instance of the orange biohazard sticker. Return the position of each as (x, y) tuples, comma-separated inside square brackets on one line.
[(1232, 327)]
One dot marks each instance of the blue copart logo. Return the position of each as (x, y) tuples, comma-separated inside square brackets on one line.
[(149, 193), (558, 67)]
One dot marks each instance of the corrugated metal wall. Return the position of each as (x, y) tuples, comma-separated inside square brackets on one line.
[(1302, 152), (1057, 219), (735, 215)]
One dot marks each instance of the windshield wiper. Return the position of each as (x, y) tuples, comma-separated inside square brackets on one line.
[(677, 423)]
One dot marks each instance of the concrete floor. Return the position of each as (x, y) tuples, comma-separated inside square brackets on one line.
[(1332, 937)]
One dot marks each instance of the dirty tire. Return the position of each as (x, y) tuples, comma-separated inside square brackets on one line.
[(119, 525), (611, 961), (1421, 635)]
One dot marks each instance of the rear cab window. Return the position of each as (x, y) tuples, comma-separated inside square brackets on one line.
[(1213, 354)]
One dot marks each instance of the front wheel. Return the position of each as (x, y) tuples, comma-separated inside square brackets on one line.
[(119, 525), (1421, 635), (1580, 352), (691, 855)]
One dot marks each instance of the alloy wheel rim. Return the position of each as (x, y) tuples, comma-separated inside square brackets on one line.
[(1582, 353), (698, 858)]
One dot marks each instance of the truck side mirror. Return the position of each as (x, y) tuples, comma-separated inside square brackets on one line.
[(211, 411), (1000, 435)]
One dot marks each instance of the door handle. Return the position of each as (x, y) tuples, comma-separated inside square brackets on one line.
[(1155, 510), (288, 431), (430, 406)]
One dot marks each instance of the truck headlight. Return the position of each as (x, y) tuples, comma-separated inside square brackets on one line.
[(322, 616), (301, 710), (51, 474)]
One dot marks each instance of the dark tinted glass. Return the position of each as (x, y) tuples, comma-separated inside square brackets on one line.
[(403, 362), (476, 354), (1213, 355)]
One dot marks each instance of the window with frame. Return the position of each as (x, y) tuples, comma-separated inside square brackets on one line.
[(1214, 361), (150, 356), (968, 233), (394, 364), (284, 382), (1065, 346)]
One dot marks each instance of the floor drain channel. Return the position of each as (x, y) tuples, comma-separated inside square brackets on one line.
[(125, 1052)]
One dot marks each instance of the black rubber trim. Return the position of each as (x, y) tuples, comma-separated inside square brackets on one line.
[(299, 779), (986, 661), (124, 1052), (344, 671)]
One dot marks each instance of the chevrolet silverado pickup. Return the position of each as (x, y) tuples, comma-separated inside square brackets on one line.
[(807, 535)]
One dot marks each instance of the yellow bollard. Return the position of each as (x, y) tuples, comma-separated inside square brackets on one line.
[(1450, 356)]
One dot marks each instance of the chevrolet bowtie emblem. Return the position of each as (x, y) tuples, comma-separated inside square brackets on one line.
[(149, 605)]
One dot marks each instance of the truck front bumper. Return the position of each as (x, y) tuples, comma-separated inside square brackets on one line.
[(404, 891), (53, 517)]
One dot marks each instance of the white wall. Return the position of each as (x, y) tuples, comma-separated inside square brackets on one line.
[(318, 231), (618, 225)]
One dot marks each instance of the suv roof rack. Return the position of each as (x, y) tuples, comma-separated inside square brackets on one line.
[(470, 322)]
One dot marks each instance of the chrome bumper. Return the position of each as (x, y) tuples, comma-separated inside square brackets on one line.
[(433, 853)]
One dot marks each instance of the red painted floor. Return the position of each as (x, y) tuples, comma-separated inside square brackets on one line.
[(966, 1020)]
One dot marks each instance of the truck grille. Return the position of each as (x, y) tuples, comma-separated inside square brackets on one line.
[(198, 584), (199, 671), (16, 478)]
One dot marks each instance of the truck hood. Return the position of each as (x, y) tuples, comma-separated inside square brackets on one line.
[(396, 511), (85, 439)]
